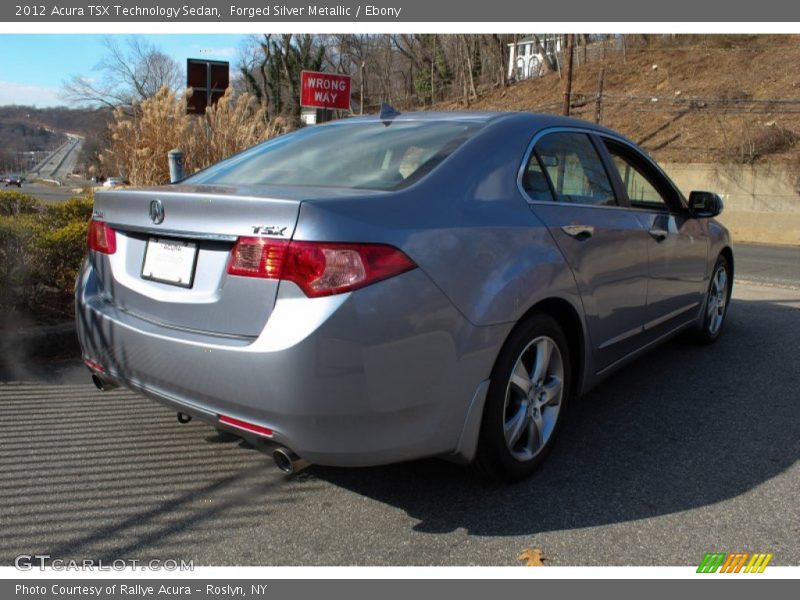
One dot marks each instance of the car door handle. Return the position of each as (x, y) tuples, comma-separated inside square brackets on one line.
[(579, 232), (658, 234)]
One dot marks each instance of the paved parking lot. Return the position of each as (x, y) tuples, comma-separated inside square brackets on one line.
[(687, 450)]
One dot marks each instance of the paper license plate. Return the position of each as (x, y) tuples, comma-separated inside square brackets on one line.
[(170, 261)]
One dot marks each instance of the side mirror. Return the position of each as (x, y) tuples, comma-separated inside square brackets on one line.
[(705, 205)]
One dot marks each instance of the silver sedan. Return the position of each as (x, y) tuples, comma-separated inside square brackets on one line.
[(393, 287)]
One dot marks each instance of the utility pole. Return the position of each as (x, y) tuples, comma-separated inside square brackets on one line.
[(568, 74), (433, 61), (598, 108)]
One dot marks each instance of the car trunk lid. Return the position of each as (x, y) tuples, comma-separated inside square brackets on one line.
[(202, 222)]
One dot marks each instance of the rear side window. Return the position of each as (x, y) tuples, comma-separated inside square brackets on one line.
[(574, 169), (367, 155)]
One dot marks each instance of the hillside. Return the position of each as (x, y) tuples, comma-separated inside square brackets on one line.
[(730, 99), (60, 118), (28, 134)]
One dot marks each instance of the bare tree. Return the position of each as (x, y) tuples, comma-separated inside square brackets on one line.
[(128, 73), (271, 70), (469, 68), (409, 70), (352, 54)]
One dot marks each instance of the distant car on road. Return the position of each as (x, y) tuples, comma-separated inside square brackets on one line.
[(13, 180), (112, 182), (381, 289)]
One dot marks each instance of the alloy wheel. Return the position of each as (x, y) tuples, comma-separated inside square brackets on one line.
[(717, 300), (533, 398)]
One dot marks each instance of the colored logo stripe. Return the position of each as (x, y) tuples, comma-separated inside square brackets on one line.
[(734, 562), (711, 562), (758, 563)]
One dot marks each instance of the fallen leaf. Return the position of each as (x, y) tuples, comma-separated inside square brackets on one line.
[(534, 557)]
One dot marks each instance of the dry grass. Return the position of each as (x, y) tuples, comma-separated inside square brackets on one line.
[(141, 140), (757, 141), (693, 107)]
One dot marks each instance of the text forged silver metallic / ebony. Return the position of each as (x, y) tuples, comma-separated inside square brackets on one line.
[(377, 289)]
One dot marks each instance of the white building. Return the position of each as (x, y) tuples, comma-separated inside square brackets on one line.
[(525, 57)]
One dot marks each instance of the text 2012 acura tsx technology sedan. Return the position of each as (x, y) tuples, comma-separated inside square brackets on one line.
[(386, 288)]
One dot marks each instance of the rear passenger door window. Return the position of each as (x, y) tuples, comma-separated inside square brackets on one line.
[(573, 168)]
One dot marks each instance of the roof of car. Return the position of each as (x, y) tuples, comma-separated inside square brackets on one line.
[(535, 121)]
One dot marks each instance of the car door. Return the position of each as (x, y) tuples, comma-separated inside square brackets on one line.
[(677, 244), (568, 186)]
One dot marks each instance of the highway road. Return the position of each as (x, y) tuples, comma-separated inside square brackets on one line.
[(688, 450), (50, 193), (61, 162)]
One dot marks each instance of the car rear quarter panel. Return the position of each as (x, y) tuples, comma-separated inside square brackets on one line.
[(466, 225), (468, 228)]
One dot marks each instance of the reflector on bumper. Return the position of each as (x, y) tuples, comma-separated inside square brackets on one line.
[(245, 426)]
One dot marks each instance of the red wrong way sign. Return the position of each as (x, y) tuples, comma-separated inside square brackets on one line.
[(324, 90)]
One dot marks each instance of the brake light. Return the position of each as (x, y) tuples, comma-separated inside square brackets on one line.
[(101, 238), (318, 268), (257, 257)]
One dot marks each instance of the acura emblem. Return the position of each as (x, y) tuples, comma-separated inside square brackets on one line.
[(156, 211)]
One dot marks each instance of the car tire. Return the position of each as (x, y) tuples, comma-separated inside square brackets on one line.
[(521, 419), (715, 308)]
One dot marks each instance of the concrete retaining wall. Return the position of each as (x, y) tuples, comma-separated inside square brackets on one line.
[(762, 203)]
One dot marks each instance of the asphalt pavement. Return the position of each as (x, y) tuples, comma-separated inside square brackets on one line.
[(48, 192), (61, 161), (768, 265), (688, 450)]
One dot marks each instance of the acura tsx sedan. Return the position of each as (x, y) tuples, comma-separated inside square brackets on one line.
[(387, 288)]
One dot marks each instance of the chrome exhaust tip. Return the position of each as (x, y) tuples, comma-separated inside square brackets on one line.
[(102, 385), (287, 461)]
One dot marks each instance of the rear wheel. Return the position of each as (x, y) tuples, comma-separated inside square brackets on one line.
[(716, 305), (526, 401)]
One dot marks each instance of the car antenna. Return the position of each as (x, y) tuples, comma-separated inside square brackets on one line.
[(388, 112)]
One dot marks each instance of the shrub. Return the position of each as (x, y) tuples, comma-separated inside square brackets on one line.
[(755, 142), (142, 137), (16, 235), (41, 249), (17, 203)]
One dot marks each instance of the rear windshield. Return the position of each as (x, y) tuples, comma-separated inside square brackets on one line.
[(349, 155)]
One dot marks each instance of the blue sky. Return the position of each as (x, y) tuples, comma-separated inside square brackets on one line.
[(34, 66)]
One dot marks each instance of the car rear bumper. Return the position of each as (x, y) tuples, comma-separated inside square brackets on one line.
[(384, 374)]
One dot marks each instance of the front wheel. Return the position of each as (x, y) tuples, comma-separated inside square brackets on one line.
[(526, 401), (716, 306)]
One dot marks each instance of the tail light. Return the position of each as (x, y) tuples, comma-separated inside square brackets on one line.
[(318, 268), (101, 238)]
